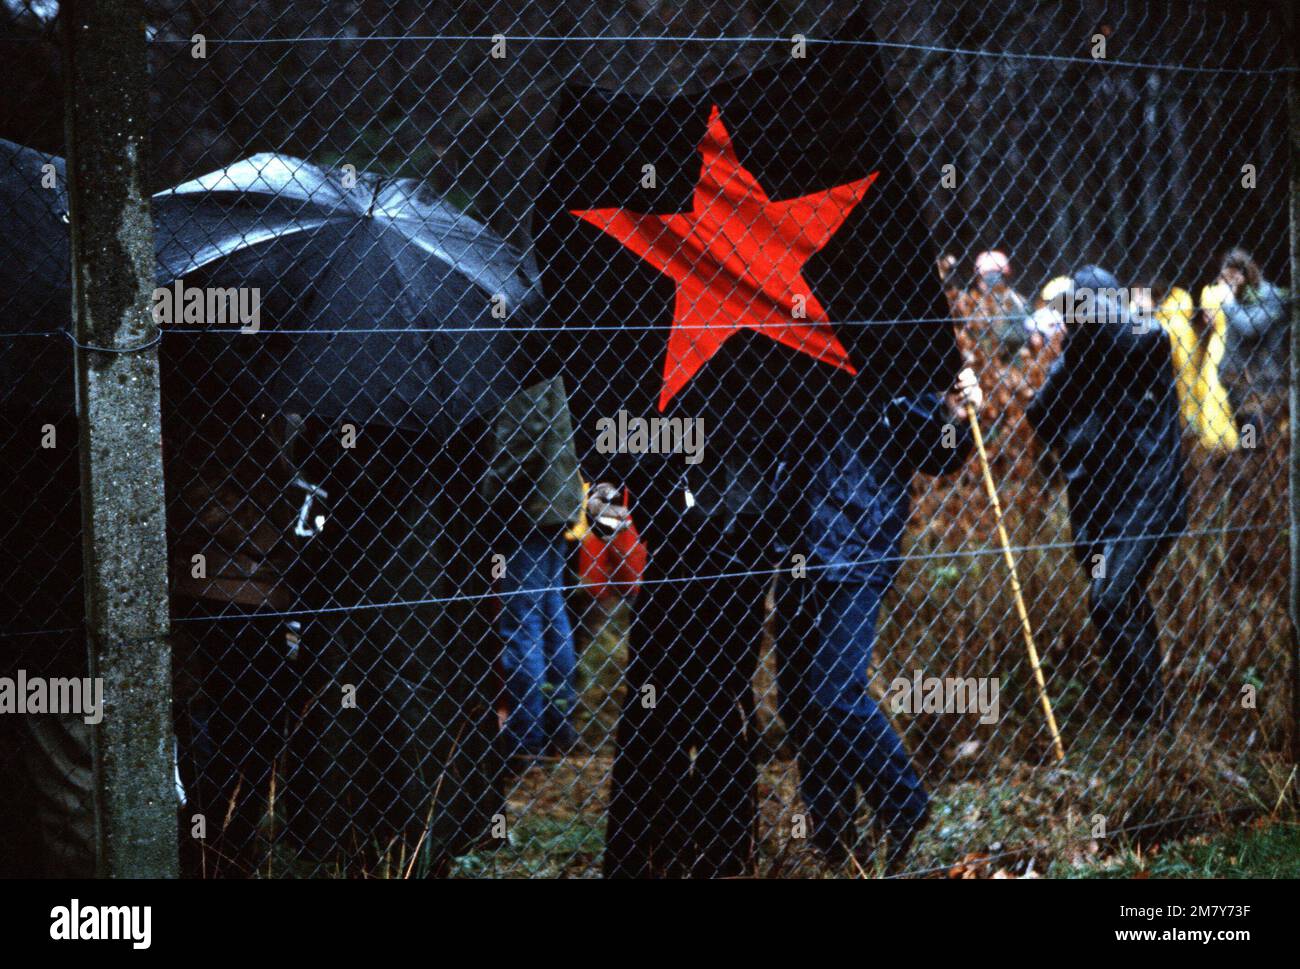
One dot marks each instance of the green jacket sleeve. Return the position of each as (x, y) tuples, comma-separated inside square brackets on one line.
[(535, 464)]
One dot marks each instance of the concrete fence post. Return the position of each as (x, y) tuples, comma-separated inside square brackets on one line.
[(107, 102)]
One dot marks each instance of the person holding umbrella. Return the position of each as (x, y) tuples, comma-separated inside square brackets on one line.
[(385, 325), (854, 496), (1109, 408)]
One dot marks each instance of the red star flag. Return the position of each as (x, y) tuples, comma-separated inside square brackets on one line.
[(745, 254)]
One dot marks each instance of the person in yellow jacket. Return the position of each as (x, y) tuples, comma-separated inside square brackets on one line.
[(1202, 398)]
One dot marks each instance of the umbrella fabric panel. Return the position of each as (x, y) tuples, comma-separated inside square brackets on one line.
[(397, 289), (35, 283)]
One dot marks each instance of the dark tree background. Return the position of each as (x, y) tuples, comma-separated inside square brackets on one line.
[(1057, 161)]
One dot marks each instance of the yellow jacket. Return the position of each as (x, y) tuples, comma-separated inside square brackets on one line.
[(1202, 398)]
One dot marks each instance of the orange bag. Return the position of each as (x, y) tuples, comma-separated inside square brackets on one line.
[(612, 566)]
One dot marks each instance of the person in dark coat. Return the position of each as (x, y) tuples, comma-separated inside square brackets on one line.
[(401, 736), (853, 495), (235, 553), (1110, 410), (683, 795), (1257, 350)]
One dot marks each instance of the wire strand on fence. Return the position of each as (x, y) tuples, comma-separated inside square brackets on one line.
[(736, 574), (488, 39), (1063, 158)]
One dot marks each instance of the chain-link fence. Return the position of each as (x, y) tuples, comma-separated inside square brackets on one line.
[(569, 466)]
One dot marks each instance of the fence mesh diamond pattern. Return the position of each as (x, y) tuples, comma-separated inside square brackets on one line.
[(569, 467)]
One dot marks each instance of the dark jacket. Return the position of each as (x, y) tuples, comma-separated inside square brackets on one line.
[(853, 489), (1110, 410), (834, 488), (533, 480), (232, 498), (418, 750), (1259, 332)]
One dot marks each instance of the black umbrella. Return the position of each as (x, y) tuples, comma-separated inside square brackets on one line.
[(35, 281), (377, 305), (378, 302)]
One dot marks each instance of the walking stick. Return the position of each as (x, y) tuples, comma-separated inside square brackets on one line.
[(1025, 628)]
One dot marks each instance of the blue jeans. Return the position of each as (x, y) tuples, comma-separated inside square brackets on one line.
[(539, 658), (825, 631)]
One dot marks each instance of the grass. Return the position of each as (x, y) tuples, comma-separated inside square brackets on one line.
[(1003, 807), (1265, 849)]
